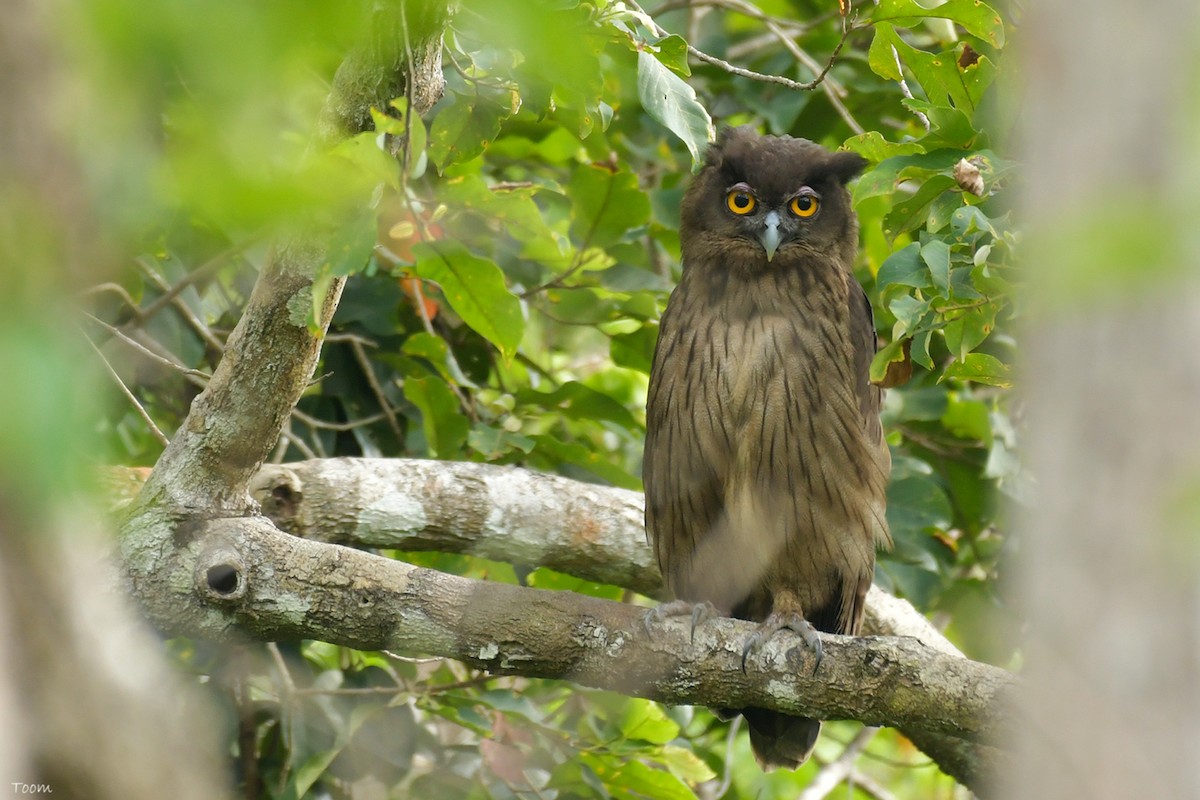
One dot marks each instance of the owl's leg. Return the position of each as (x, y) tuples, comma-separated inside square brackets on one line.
[(700, 613), (785, 614)]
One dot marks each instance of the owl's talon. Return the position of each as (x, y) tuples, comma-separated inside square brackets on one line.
[(700, 613), (651, 616), (792, 622)]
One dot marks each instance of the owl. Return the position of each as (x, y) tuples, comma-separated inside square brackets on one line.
[(765, 465)]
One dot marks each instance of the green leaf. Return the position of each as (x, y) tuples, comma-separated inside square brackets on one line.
[(909, 311), (923, 403), (673, 53), (885, 177), (882, 60), (686, 765), (646, 720), (444, 424), (463, 129), (873, 147), (905, 268), (496, 443), (969, 220), (312, 769), (557, 47), (920, 349), (434, 350), (970, 330), (636, 780), (363, 153), (942, 209), (546, 578), (977, 18), (962, 284), (917, 505), (945, 82), (890, 352), (977, 77), (912, 213), (605, 205), (512, 209), (936, 253), (349, 251), (580, 456), (948, 127), (969, 419), (980, 368), (475, 289), (668, 99), (577, 401), (351, 246), (634, 350), (919, 585), (399, 126)]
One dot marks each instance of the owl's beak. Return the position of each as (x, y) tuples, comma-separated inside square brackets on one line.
[(770, 237)]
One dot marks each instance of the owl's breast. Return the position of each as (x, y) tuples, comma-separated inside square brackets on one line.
[(777, 364)]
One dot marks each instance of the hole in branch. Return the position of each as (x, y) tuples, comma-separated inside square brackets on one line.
[(223, 579)]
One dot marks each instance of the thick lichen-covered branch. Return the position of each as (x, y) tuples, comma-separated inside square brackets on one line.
[(251, 579), (532, 519)]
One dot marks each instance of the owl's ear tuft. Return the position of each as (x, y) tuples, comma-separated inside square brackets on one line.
[(727, 138), (846, 165)]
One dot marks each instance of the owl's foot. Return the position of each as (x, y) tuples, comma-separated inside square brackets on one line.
[(776, 622), (699, 612)]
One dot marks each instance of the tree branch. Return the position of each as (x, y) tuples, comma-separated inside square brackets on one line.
[(531, 519), (501, 513), (241, 576)]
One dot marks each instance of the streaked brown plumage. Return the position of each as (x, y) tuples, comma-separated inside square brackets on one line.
[(765, 465)]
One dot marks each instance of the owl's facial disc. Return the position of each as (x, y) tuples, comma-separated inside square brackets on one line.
[(770, 235)]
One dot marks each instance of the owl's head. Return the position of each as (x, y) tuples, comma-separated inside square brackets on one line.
[(763, 201)]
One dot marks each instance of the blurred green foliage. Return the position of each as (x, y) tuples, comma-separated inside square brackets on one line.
[(507, 281)]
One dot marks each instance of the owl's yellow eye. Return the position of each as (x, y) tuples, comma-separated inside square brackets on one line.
[(804, 205), (740, 201)]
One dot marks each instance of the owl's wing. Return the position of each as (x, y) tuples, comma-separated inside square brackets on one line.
[(683, 477), (862, 330), (870, 398)]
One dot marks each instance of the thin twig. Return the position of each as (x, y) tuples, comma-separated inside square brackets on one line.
[(832, 89), (117, 289), (121, 336), (727, 776), (301, 445), (364, 363), (285, 675), (199, 272), (191, 319), (352, 691), (872, 788), (281, 446), (346, 336), (159, 435), (749, 11), (831, 775), (905, 90), (339, 427), (411, 659), (539, 369), (749, 73)]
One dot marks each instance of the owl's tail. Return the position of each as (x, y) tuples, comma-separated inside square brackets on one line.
[(780, 740)]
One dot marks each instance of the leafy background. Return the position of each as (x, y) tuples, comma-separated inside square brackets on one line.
[(508, 277)]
